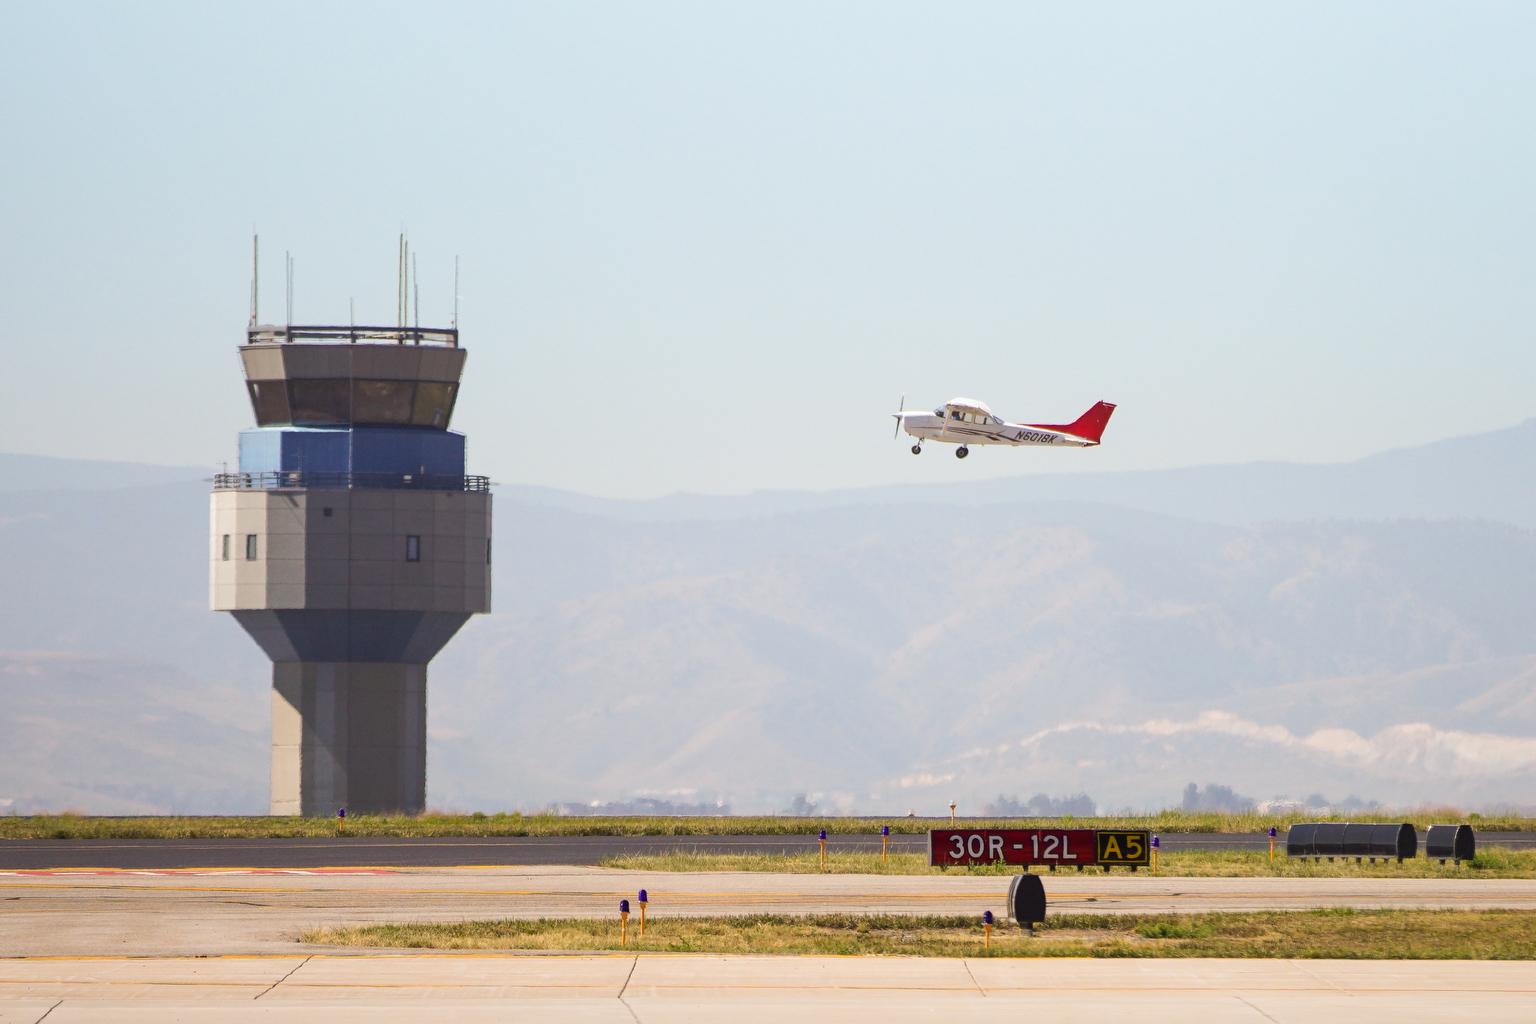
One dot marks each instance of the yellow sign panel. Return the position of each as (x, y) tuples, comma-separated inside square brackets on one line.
[(1124, 848)]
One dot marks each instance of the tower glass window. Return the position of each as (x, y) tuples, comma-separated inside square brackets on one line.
[(382, 401), (434, 404), (224, 548), (412, 548), (250, 547), (270, 400), (319, 401)]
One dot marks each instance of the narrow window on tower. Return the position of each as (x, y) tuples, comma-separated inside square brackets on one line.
[(412, 548), (224, 548), (250, 547), (487, 551)]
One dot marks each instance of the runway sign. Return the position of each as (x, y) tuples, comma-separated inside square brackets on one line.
[(954, 847), (1052, 847), (1129, 848)]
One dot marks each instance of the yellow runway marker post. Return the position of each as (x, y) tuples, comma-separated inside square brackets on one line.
[(623, 922), (885, 844), (986, 929), (643, 899), (821, 842)]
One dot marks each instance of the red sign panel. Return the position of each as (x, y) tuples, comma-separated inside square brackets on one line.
[(963, 847)]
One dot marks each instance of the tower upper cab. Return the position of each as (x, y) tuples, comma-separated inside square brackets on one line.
[(352, 376)]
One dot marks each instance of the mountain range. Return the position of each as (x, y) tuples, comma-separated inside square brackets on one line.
[(1358, 628)]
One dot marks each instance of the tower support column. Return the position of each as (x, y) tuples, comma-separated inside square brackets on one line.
[(348, 734)]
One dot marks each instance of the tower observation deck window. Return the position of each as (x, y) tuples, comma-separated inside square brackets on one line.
[(250, 547), (224, 548), (433, 405), (319, 401), (412, 548), (381, 401), (270, 400), (314, 402)]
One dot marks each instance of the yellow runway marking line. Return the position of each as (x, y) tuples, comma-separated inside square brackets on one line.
[(124, 958), (457, 954), (172, 872), (677, 897), (705, 897), (767, 897), (195, 982), (1059, 989)]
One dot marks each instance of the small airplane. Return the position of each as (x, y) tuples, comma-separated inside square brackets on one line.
[(966, 421)]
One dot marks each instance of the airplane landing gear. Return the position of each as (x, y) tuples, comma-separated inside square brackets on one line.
[(917, 449), (962, 452)]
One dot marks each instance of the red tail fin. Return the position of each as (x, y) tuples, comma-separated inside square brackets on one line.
[(1089, 426)]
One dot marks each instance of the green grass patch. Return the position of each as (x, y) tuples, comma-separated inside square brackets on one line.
[(1491, 862), (1174, 930), (1299, 934), (72, 826)]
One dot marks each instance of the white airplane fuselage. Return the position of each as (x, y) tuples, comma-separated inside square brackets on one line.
[(968, 421), (925, 426)]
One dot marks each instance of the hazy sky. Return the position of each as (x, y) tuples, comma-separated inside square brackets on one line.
[(707, 246)]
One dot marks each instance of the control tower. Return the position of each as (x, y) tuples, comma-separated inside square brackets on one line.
[(351, 546)]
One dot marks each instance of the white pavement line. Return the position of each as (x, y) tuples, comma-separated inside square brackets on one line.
[(284, 978)]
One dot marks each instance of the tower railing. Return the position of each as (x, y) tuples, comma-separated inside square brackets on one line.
[(352, 334), (274, 481)]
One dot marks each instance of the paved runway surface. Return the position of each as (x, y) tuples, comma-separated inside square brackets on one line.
[(659, 989), (452, 851), (185, 913), (151, 945)]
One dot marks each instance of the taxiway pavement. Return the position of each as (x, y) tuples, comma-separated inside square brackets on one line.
[(262, 911), (661, 989)]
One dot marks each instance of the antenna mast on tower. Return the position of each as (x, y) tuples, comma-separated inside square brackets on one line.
[(255, 276)]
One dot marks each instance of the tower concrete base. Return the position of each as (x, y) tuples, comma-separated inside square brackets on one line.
[(348, 734)]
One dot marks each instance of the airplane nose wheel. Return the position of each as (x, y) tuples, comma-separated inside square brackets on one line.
[(917, 449), (962, 452)]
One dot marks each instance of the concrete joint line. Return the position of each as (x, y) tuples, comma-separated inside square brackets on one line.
[(969, 973), (46, 1012), (625, 988), (1255, 1009), (284, 978), (1301, 965)]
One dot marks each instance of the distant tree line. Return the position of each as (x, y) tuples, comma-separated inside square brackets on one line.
[(640, 806), (1040, 805), (1215, 797)]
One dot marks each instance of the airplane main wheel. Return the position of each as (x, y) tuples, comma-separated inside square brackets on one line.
[(917, 449), (962, 452)]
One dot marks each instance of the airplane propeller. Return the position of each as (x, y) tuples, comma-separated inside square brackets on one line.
[(902, 408)]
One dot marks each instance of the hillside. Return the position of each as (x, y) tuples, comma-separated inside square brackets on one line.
[(1281, 629)]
